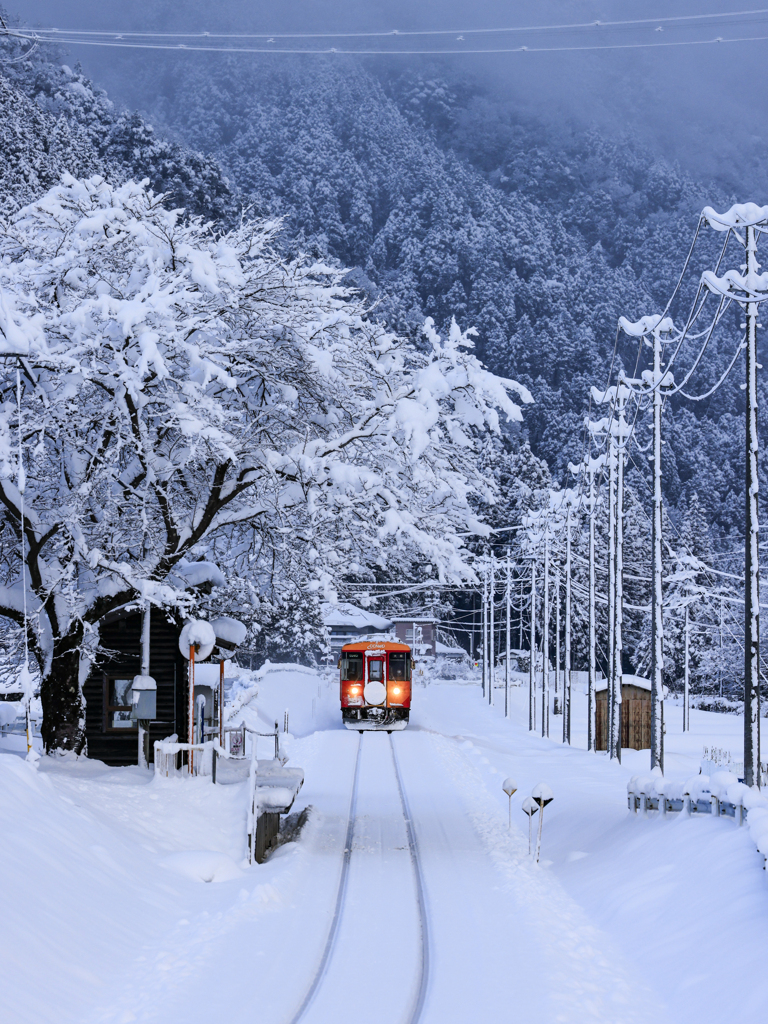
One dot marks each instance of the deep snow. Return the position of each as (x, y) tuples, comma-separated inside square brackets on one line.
[(107, 919)]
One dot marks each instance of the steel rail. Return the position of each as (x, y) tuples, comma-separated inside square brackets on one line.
[(413, 847), (333, 931), (417, 1008)]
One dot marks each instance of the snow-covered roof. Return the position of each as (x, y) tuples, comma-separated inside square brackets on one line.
[(626, 680), (352, 617), (446, 651)]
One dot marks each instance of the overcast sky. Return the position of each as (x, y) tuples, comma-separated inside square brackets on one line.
[(704, 105)]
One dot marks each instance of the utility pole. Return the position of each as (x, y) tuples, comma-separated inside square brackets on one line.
[(545, 642), (532, 649), (591, 739), (720, 659), (567, 674), (686, 678), (622, 393), (748, 290), (657, 597), (484, 630), (509, 637), (656, 326), (612, 460), (492, 638), (557, 643), (752, 535), (522, 602)]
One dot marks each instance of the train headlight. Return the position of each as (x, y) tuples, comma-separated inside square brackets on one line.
[(396, 691), (354, 690)]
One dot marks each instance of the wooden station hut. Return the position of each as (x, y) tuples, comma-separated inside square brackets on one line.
[(111, 734), (635, 713)]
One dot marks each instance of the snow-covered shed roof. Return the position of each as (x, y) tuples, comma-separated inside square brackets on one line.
[(626, 680), (349, 616)]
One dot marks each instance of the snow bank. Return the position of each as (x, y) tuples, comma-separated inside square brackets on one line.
[(203, 865), (722, 791)]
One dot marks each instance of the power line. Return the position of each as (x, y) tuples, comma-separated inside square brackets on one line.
[(679, 19), (117, 43)]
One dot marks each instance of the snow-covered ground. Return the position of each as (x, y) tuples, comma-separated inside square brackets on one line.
[(106, 917)]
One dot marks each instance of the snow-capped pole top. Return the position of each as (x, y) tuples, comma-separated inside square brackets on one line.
[(740, 215), (542, 794), (646, 325), (230, 633), (509, 786), (199, 634)]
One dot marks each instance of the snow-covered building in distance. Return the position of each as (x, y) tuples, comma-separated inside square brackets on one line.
[(346, 623), (425, 628)]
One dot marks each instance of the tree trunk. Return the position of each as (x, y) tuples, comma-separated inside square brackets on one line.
[(63, 707)]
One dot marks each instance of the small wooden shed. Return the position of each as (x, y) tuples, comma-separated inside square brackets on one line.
[(111, 734), (635, 713)]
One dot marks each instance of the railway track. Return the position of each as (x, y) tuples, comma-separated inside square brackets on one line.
[(416, 1007)]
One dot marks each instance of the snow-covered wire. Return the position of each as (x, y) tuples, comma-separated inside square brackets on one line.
[(72, 39), (498, 30)]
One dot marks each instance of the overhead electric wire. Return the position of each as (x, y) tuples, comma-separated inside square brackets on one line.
[(73, 39)]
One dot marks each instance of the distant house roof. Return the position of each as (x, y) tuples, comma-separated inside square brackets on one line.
[(349, 616)]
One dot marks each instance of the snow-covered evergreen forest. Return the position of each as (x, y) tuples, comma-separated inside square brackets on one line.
[(408, 196)]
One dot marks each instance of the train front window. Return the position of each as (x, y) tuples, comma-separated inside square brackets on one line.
[(352, 667), (375, 670), (399, 666)]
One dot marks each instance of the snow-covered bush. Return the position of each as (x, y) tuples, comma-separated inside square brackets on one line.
[(192, 396)]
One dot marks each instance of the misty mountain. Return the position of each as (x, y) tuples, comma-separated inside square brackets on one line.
[(440, 200), (445, 203)]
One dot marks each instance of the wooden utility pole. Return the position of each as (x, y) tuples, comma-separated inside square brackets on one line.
[(657, 601), (752, 775), (545, 641), (509, 637), (492, 644), (591, 686), (532, 649), (567, 667)]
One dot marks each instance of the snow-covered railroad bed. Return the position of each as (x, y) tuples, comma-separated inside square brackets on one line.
[(378, 934)]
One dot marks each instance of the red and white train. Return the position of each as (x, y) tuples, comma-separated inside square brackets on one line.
[(375, 684)]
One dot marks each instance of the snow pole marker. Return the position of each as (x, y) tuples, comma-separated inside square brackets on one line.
[(509, 638), (542, 795), (530, 807), (510, 788)]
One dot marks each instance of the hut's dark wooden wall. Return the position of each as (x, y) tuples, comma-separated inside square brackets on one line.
[(635, 718), (120, 632)]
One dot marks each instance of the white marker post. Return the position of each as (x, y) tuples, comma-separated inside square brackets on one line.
[(529, 807), (542, 795), (510, 788)]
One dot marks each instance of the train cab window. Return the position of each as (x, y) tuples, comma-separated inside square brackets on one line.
[(352, 666), (400, 666), (375, 670)]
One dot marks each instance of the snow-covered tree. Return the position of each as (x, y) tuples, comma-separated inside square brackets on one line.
[(192, 397)]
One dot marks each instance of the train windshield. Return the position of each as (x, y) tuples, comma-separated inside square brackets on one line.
[(352, 666), (400, 666)]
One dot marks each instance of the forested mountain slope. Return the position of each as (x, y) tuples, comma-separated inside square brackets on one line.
[(440, 199), (447, 204), (55, 120)]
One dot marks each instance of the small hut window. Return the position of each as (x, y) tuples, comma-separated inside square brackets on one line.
[(118, 703)]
